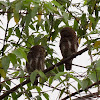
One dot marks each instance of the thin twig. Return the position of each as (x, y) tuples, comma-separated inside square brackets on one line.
[(81, 90), (2, 50), (79, 66), (87, 96)]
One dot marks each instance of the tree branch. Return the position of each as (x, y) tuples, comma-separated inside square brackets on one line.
[(2, 50), (45, 71), (87, 96), (79, 66), (66, 59), (73, 94), (14, 89)]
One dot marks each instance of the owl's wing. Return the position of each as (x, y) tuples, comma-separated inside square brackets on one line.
[(29, 63), (74, 46)]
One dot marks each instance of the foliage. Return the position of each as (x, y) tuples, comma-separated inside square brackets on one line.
[(32, 22)]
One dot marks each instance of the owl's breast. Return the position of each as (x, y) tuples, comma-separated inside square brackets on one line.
[(65, 47)]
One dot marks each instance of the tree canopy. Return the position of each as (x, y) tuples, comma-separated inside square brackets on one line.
[(25, 23)]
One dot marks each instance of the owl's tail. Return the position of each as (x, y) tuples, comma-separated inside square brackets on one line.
[(68, 65)]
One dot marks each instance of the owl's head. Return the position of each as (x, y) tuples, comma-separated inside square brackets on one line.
[(67, 32), (38, 49)]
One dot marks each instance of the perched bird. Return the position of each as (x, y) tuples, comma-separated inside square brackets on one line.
[(36, 57), (68, 45)]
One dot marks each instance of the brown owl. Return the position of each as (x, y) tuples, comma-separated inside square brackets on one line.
[(68, 44), (36, 57)]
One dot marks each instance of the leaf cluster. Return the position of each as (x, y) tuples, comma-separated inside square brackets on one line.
[(34, 22)]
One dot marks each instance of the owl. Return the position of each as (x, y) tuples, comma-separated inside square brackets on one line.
[(68, 45), (36, 58)]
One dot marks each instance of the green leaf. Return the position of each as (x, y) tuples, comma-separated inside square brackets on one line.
[(22, 73), (75, 25), (96, 12), (49, 7), (79, 86), (29, 94), (56, 24), (94, 75), (42, 75), (28, 19), (39, 15), (98, 65), (59, 74), (95, 23), (92, 19), (54, 35), (17, 53), (10, 30), (29, 85), (32, 27), (9, 15), (15, 73), (38, 98), (30, 41), (12, 58), (37, 39), (97, 44), (14, 96), (84, 83), (47, 26), (36, 1), (20, 52), (7, 99), (33, 76), (44, 41), (50, 80), (34, 11), (66, 16), (18, 34), (2, 28), (85, 2), (7, 87), (61, 93), (2, 72), (16, 16), (37, 26), (56, 3), (84, 20), (5, 63), (19, 94), (46, 96), (61, 68), (8, 82), (81, 32), (39, 90), (3, 3), (19, 61), (18, 6)]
